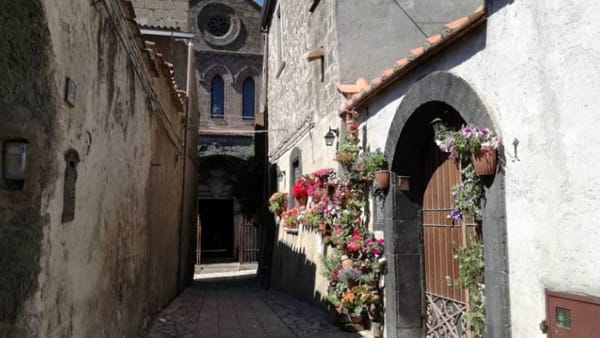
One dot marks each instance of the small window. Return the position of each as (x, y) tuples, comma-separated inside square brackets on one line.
[(217, 104), (280, 63), (248, 99), (295, 173), (14, 168)]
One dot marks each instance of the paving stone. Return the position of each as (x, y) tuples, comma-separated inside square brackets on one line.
[(237, 309)]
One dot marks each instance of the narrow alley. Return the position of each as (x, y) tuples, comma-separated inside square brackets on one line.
[(236, 307)]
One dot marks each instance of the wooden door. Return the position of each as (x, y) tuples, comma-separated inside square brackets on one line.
[(445, 302), (216, 217)]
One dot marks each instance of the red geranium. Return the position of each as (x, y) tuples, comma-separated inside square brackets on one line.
[(299, 189)]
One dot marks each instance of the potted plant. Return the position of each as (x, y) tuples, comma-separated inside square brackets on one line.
[(470, 142), (353, 307), (347, 152), (373, 165), (300, 190), (352, 121), (278, 203)]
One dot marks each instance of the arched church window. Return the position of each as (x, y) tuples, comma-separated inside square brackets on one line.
[(217, 103), (248, 98)]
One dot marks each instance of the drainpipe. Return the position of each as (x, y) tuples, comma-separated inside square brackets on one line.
[(188, 107)]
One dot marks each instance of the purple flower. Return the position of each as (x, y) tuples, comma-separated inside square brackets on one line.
[(456, 214), (375, 252), (466, 131)]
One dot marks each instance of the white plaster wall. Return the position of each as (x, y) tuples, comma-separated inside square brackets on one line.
[(534, 64)]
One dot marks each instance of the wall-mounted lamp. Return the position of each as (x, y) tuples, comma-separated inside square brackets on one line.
[(438, 125), (331, 135)]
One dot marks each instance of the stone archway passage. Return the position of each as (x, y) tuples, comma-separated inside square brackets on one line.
[(446, 95)]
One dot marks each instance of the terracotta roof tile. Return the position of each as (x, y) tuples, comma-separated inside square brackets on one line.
[(417, 51), (347, 89), (358, 93), (457, 23), (434, 39), (387, 73), (376, 82)]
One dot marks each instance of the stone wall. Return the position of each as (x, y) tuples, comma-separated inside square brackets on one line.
[(539, 89), (301, 107), (162, 13), (103, 272)]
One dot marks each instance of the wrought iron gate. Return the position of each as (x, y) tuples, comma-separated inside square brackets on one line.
[(248, 242), (445, 302)]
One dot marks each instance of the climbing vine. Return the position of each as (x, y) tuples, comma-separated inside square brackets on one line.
[(463, 145)]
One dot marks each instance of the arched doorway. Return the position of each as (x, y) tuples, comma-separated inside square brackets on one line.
[(228, 195), (419, 237)]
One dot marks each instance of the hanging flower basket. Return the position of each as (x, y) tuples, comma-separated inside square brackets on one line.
[(484, 162), (382, 178), (351, 125)]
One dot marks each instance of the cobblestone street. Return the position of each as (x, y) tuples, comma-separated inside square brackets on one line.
[(238, 308)]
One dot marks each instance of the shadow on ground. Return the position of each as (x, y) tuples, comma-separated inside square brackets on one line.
[(236, 307)]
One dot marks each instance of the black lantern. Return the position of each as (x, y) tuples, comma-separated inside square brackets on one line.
[(438, 125), (330, 136)]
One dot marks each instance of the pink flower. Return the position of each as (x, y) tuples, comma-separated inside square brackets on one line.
[(466, 131)]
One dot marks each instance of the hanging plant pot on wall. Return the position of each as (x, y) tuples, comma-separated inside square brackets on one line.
[(351, 125), (484, 162), (382, 179)]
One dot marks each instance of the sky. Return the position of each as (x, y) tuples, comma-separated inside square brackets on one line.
[(260, 2)]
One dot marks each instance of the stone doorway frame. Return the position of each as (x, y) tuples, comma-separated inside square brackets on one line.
[(402, 223)]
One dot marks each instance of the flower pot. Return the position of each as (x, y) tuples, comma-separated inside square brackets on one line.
[(318, 194), (323, 228), (404, 183), (382, 178), (302, 200), (282, 208), (352, 283), (484, 162), (356, 319), (351, 125), (347, 262)]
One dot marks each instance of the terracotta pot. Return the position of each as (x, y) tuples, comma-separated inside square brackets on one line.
[(318, 194), (484, 162), (351, 125), (302, 200), (356, 319), (404, 183), (382, 178), (351, 284), (282, 208), (347, 262)]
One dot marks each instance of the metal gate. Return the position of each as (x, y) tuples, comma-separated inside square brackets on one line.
[(445, 302), (248, 242)]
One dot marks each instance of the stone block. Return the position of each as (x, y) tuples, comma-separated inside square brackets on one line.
[(153, 4)]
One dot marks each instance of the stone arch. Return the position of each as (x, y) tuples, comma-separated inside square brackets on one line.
[(244, 73), (439, 94), (217, 69)]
